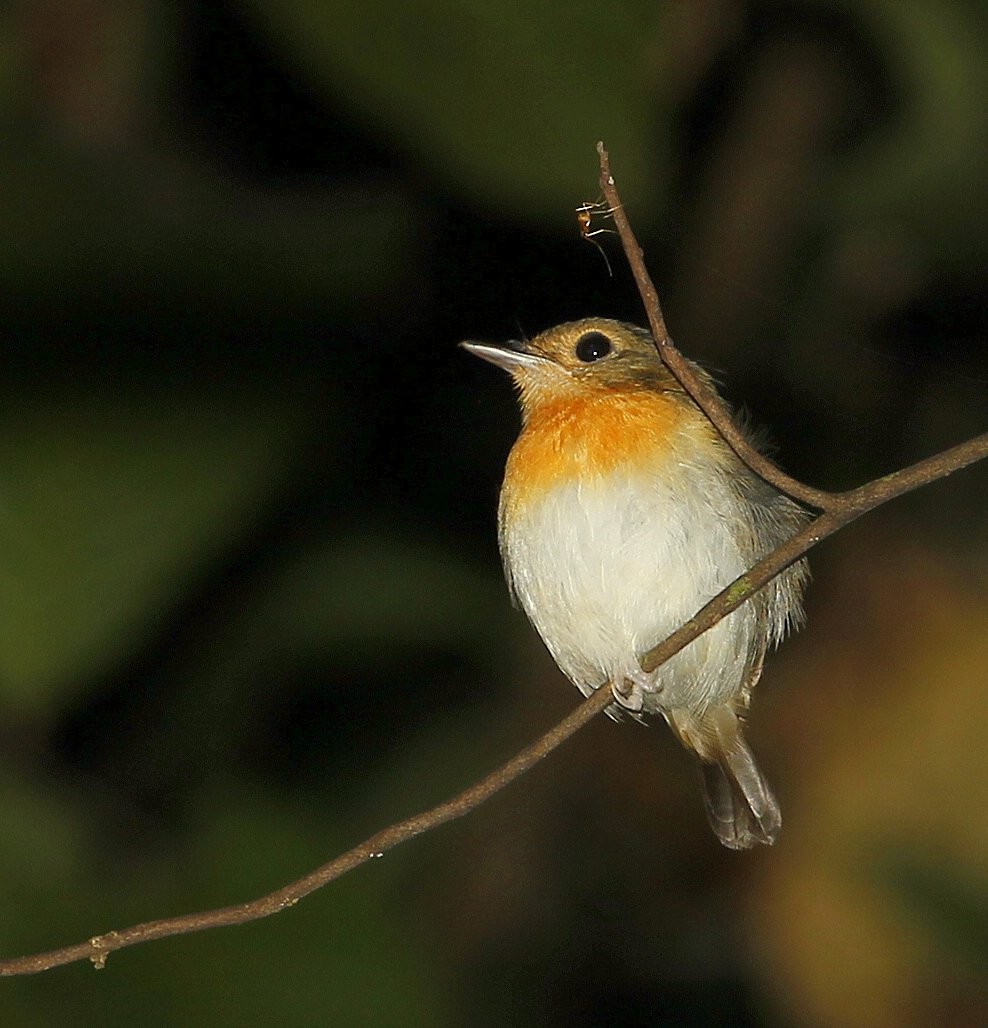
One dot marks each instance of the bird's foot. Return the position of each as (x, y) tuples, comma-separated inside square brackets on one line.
[(630, 686)]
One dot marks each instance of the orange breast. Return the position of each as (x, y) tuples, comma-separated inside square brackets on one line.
[(590, 436)]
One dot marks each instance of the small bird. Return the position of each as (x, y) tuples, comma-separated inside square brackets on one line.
[(623, 511)]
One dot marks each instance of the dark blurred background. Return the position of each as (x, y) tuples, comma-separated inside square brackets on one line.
[(251, 608)]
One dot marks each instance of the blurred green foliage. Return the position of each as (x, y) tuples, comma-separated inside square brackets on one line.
[(953, 906), (106, 515), (563, 79)]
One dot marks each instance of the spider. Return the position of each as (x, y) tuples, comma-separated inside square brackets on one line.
[(584, 217)]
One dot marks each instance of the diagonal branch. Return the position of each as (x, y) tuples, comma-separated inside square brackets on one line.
[(838, 510), (842, 509), (98, 948)]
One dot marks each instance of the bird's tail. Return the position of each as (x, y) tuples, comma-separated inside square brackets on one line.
[(741, 808)]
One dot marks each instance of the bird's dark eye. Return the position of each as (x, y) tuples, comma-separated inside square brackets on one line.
[(592, 346)]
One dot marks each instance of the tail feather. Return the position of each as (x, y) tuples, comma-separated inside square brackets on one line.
[(741, 807)]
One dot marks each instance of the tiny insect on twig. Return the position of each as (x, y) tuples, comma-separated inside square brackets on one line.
[(584, 219)]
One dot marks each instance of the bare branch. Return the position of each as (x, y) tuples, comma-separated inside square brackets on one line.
[(838, 510), (99, 947), (706, 399), (842, 509)]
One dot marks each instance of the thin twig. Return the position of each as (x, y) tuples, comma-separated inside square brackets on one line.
[(98, 948), (839, 509), (704, 395)]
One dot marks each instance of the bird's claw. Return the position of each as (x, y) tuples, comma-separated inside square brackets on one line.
[(629, 688)]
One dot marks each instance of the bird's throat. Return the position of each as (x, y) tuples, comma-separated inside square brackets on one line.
[(586, 438)]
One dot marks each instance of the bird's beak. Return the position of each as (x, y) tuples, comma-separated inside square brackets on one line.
[(512, 356)]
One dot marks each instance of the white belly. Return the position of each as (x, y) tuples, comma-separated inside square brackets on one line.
[(607, 568)]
